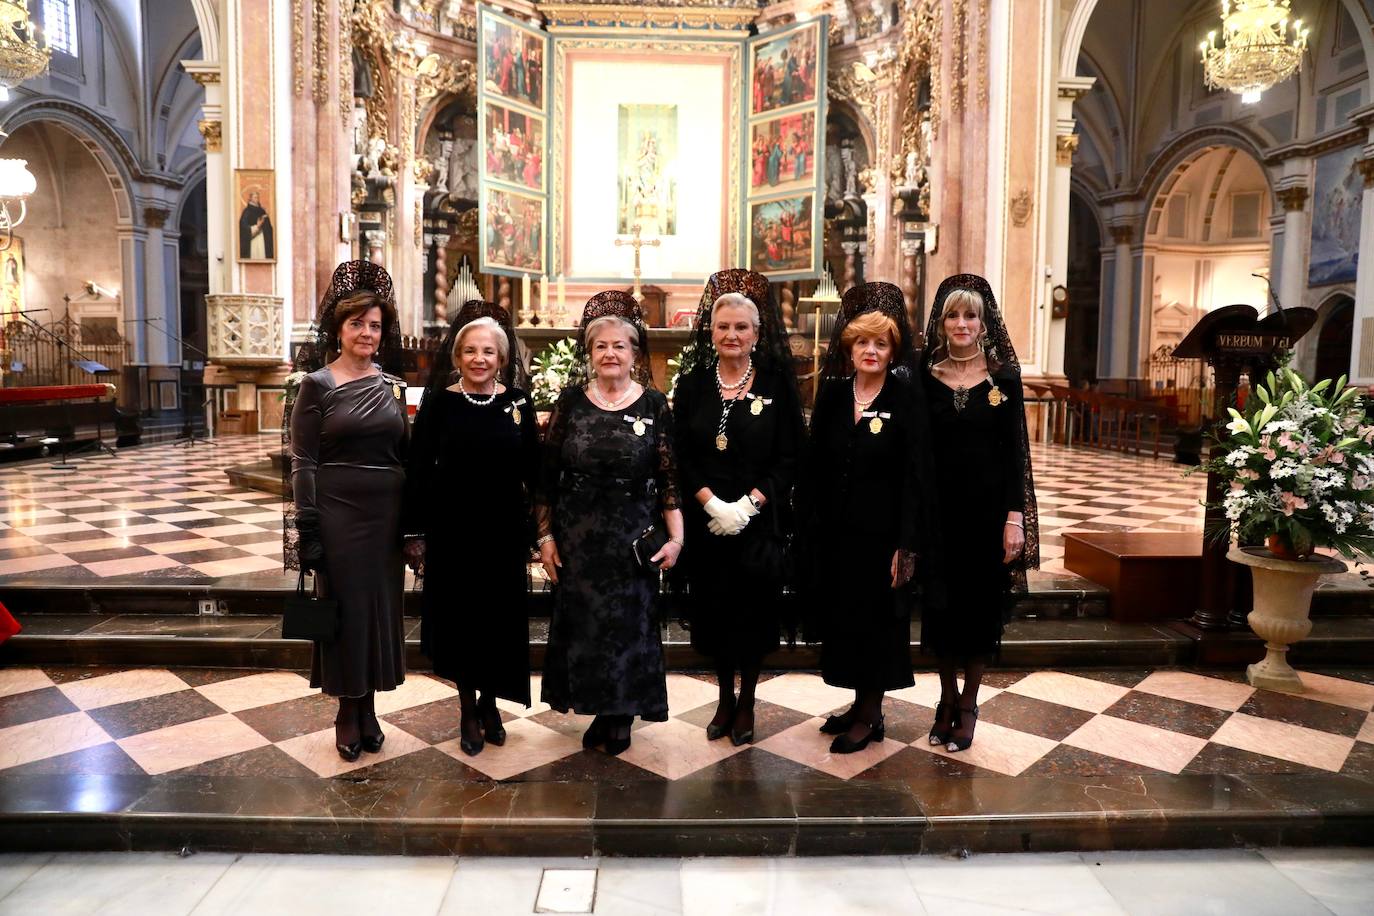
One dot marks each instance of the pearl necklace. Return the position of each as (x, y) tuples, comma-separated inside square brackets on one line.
[(864, 405), (604, 404), (963, 359), (743, 379), (472, 400)]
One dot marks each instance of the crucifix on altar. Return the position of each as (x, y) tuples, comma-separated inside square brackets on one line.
[(637, 243)]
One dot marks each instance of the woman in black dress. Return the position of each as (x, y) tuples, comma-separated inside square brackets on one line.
[(739, 437), (473, 461), (981, 450), (864, 500), (345, 432), (608, 475)]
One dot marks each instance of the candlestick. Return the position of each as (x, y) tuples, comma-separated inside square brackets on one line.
[(562, 297)]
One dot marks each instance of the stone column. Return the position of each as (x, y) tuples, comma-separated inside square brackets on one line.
[(787, 298), (1123, 294), (160, 284), (1362, 343), (217, 179), (375, 239), (441, 277), (1065, 144), (851, 265), (1293, 271)]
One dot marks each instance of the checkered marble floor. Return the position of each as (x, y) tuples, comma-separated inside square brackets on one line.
[(1118, 722), (167, 512)]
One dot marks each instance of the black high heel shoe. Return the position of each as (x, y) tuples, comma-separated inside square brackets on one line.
[(349, 752), (492, 727), (963, 744), (715, 732), (373, 743), (838, 725), (616, 746), (740, 736), (470, 746), (595, 734), (842, 744), (938, 737)]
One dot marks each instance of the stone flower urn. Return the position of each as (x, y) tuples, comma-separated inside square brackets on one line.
[(1283, 601)]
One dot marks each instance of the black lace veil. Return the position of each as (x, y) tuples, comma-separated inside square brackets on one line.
[(444, 373), (319, 347), (859, 300), (618, 304), (1002, 361)]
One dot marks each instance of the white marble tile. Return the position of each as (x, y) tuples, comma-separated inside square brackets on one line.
[(674, 749), (804, 744), (256, 690), (1024, 883), (566, 890), (117, 883), (833, 886), (1342, 880), (639, 887), (535, 707), (1219, 882), (176, 746), (1196, 688), (926, 690), (416, 691), (1295, 743), (121, 687), (44, 738), (997, 748), (17, 867), (528, 745), (804, 692), (22, 680), (1137, 742), (317, 752), (1069, 690), (292, 885), (686, 693), (1337, 690), (482, 886), (1367, 730)]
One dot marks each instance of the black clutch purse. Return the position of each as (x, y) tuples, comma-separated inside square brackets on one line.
[(309, 617), (648, 544)]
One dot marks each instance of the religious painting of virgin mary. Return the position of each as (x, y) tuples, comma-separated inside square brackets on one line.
[(255, 191)]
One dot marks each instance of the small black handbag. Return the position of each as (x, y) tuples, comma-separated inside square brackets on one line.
[(308, 617), (650, 542)]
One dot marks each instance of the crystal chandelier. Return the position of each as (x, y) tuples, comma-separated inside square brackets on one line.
[(21, 56), (16, 185), (1257, 51)]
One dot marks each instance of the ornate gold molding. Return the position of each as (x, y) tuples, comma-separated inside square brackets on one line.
[(1122, 233), (446, 74), (845, 84), (1292, 198), (372, 28), (1065, 145), (724, 16), (298, 46), (320, 87), (1366, 167), (204, 77), (211, 131), (155, 217)]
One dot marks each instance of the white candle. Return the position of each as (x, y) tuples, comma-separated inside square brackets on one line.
[(544, 293), (525, 291), (562, 294)]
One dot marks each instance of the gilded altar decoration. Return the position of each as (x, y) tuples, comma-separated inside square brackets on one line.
[(646, 167)]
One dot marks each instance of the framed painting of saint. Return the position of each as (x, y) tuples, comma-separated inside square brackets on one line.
[(12, 280), (513, 60), (647, 154), (513, 231), (513, 146), (784, 70), (781, 235), (255, 195), (782, 153)]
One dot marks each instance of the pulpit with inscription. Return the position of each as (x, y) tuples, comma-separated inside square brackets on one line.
[(1234, 341)]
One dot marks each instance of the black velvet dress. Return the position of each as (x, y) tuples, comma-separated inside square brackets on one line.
[(607, 476), (470, 479), (735, 582), (861, 494), (977, 452), (348, 444)]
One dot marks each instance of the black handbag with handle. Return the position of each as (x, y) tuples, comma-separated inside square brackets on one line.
[(309, 617), (650, 542)]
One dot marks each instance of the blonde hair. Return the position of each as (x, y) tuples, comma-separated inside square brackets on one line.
[(958, 300), (869, 324), (485, 323)]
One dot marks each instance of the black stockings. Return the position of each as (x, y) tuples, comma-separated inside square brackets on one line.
[(357, 717), (967, 699), (867, 712), (737, 714), (477, 715)]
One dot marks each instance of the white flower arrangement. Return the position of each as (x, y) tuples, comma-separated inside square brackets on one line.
[(1300, 467), (550, 371)]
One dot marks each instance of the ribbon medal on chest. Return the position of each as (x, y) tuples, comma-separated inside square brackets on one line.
[(995, 396), (757, 403), (514, 411), (875, 423), (396, 391), (639, 424)]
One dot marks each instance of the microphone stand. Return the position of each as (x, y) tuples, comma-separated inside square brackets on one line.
[(188, 432)]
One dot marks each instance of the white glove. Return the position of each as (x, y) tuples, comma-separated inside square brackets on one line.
[(734, 517), (717, 508)]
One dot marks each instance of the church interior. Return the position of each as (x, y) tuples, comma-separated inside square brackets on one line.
[(1165, 212)]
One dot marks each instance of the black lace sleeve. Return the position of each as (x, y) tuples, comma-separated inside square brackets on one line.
[(1009, 444), (551, 462), (666, 474), (422, 454)]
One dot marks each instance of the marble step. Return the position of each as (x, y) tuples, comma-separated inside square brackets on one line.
[(738, 817), (244, 641)]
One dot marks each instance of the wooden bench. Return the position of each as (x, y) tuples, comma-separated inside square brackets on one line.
[(1151, 575)]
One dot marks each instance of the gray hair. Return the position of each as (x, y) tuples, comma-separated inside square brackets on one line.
[(611, 321), (738, 300), (484, 323)]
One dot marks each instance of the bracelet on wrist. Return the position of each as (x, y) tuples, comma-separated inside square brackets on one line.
[(543, 539), (677, 541), (1020, 525)]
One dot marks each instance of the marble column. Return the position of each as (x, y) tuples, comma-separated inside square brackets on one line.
[(1071, 89), (161, 309), (1123, 305), (1362, 342), (1296, 225)]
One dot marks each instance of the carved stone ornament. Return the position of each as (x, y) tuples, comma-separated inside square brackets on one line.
[(1366, 167), (1292, 198), (211, 131), (1021, 206), (1065, 145), (245, 329), (155, 217)]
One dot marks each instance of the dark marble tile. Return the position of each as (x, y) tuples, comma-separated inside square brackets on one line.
[(769, 718), (251, 537), (1122, 677), (1073, 761), (912, 762), (262, 761), (19, 553), (64, 575), (101, 760), (57, 540), (696, 818), (432, 723), (592, 767), (212, 554), (1217, 758), (754, 764), (289, 719), (32, 705), (43, 792), (158, 537), (110, 553), (1296, 710), (426, 763), (1170, 714), (855, 818), (58, 624), (1036, 717), (223, 627), (138, 716), (1003, 679), (1360, 763), (66, 674), (198, 677)]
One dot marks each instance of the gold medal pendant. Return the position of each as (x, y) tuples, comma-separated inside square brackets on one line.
[(875, 425), (722, 443), (396, 391), (756, 408), (515, 415), (995, 396), (639, 427)]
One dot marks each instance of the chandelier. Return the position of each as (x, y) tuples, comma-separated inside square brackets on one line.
[(1257, 52), (16, 185), (21, 56)]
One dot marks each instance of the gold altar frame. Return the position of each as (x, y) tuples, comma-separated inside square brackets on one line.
[(566, 50)]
